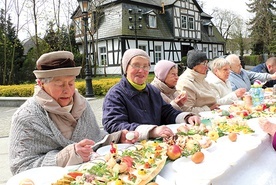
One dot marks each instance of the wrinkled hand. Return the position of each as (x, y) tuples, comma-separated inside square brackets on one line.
[(273, 76), (194, 120), (83, 148), (214, 106), (160, 131), (123, 138), (267, 126), (240, 92), (181, 99)]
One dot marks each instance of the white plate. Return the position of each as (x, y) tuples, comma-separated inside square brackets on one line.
[(254, 125), (224, 107), (208, 169), (42, 175), (209, 114), (244, 142), (106, 149)]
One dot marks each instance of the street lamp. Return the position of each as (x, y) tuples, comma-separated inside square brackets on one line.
[(136, 22), (85, 6)]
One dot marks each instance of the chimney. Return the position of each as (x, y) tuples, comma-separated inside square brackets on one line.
[(163, 8)]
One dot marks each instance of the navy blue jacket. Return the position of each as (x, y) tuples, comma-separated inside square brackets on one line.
[(262, 68), (124, 107)]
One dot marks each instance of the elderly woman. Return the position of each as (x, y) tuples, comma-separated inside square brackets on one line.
[(166, 76), (133, 104), (55, 127), (218, 79), (200, 94)]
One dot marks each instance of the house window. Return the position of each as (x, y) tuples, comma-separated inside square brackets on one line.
[(215, 52), (152, 21), (191, 23), (210, 30), (158, 53), (143, 47), (102, 56), (184, 22)]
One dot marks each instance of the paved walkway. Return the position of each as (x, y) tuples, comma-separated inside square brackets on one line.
[(5, 122)]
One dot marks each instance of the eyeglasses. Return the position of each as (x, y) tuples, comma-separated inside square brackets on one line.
[(136, 66), (205, 63)]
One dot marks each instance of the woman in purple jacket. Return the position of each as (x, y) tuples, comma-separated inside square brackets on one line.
[(133, 104)]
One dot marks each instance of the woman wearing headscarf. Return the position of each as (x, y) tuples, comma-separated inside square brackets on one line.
[(133, 104), (55, 127), (166, 76), (200, 94)]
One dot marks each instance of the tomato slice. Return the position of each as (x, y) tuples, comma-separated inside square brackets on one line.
[(75, 174), (128, 160)]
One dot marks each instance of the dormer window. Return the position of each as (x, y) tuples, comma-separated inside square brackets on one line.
[(210, 30), (152, 20)]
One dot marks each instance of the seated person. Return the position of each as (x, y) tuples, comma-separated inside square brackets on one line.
[(270, 128), (133, 104), (55, 127), (241, 78), (166, 76), (200, 94), (268, 67), (218, 79)]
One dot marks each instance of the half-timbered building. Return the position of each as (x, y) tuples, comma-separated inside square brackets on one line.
[(166, 29)]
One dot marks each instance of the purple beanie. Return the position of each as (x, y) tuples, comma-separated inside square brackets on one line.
[(162, 69), (131, 53)]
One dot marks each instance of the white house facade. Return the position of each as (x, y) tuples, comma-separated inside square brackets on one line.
[(165, 29)]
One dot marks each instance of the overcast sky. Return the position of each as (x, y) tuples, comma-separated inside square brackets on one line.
[(237, 6)]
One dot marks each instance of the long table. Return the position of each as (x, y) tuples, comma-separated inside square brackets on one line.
[(254, 167)]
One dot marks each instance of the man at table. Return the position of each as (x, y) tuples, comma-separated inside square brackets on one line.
[(268, 67), (133, 104), (241, 78)]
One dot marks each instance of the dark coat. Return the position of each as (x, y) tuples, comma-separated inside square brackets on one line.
[(126, 108), (262, 68)]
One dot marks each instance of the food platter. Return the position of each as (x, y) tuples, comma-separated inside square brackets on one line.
[(42, 175), (174, 127), (106, 149)]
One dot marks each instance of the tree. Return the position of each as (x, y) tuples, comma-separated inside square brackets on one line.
[(10, 48), (233, 29), (262, 25)]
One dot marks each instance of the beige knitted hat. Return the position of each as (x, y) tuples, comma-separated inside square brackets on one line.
[(57, 63), (131, 53)]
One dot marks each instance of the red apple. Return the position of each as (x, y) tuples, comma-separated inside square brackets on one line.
[(174, 152)]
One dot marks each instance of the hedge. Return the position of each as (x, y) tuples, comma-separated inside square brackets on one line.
[(101, 85)]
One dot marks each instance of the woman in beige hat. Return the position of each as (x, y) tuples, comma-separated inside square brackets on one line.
[(55, 127)]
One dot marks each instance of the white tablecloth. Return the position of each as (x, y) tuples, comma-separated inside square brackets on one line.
[(255, 167)]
